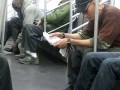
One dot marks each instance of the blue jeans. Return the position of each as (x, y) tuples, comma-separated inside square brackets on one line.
[(5, 76), (99, 71)]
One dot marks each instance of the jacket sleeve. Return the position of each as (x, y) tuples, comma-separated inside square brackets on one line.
[(28, 17), (88, 33), (31, 13), (58, 14)]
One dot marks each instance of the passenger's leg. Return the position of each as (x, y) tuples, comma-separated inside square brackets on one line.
[(108, 74), (90, 67), (16, 25), (31, 36), (5, 77), (8, 31), (73, 66), (74, 63)]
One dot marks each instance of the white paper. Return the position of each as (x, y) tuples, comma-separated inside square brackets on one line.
[(51, 40), (63, 52)]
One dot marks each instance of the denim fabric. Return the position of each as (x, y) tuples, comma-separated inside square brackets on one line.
[(99, 71), (13, 28), (74, 63), (31, 36), (5, 76)]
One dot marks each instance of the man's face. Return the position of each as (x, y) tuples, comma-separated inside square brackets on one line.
[(90, 11)]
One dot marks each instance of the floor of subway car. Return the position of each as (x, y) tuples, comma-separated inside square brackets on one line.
[(48, 75)]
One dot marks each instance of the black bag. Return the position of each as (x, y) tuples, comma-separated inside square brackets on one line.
[(45, 50)]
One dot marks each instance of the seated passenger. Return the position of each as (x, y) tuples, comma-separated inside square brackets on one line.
[(5, 76), (28, 13), (99, 71), (13, 26), (31, 35), (108, 36)]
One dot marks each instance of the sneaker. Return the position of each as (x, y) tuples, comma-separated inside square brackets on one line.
[(20, 56), (69, 88), (36, 62), (29, 60)]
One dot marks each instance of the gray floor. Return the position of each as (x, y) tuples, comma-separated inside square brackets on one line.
[(48, 75)]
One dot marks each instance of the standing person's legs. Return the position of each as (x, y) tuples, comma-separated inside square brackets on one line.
[(90, 67), (108, 73), (5, 77)]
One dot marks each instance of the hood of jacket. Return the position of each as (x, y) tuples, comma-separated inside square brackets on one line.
[(25, 4)]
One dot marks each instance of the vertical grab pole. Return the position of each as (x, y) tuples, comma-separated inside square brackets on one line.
[(112, 2), (45, 5), (71, 13), (3, 16), (96, 25)]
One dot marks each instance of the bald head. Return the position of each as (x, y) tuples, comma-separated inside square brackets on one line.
[(17, 4)]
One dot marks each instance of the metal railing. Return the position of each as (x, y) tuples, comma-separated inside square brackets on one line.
[(3, 14), (3, 8)]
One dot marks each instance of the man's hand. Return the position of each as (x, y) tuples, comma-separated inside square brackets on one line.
[(62, 43), (58, 34), (15, 47)]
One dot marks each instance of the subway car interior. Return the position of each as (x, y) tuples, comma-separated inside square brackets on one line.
[(51, 72)]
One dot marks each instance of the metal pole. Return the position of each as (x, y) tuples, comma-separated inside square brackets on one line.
[(96, 25), (71, 13), (3, 8), (45, 7), (112, 2)]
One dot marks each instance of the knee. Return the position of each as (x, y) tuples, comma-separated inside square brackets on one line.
[(108, 62), (91, 59)]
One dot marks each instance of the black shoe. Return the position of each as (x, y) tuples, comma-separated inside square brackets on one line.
[(11, 50), (69, 88), (8, 49)]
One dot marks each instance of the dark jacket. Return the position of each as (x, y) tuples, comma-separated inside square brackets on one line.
[(58, 17)]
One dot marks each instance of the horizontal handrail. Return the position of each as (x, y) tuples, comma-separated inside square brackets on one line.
[(77, 14), (58, 27), (64, 24), (10, 11), (9, 5), (84, 24)]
